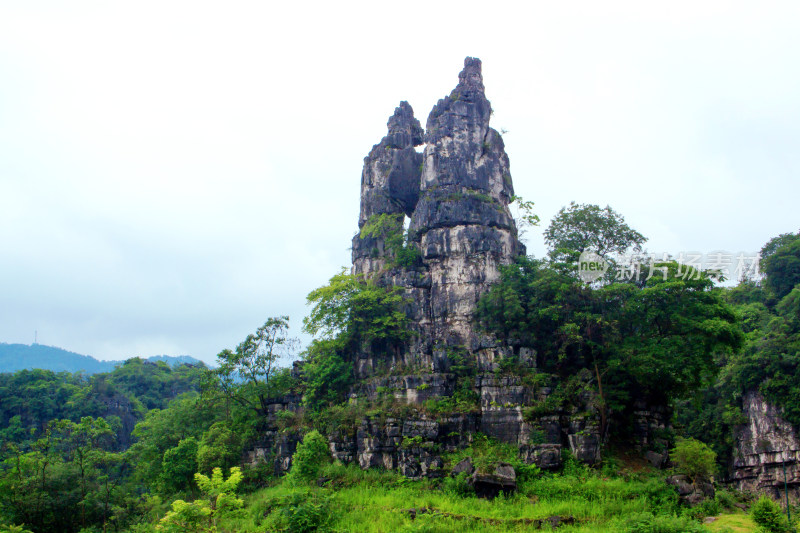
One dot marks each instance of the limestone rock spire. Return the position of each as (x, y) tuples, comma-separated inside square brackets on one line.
[(456, 193), (389, 182), (462, 222)]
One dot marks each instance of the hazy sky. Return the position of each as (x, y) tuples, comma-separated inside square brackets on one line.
[(173, 173)]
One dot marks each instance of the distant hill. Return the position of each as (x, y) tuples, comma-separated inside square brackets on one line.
[(15, 357)]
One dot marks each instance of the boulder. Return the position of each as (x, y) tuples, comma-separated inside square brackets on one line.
[(465, 465), (503, 479), (690, 493)]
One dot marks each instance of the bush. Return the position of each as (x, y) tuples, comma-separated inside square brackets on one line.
[(768, 514), (310, 457), (726, 499), (306, 511), (304, 514), (694, 459)]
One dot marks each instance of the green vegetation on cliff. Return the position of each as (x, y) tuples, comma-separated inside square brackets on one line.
[(73, 461)]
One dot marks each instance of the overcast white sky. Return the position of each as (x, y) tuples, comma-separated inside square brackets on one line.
[(173, 173)]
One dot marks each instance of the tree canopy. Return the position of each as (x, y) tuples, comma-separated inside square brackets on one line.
[(580, 228)]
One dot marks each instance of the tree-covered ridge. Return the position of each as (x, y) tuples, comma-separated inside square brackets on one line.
[(64, 440), (29, 399), (15, 357)]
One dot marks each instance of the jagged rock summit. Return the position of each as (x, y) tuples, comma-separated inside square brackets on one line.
[(390, 180), (456, 195)]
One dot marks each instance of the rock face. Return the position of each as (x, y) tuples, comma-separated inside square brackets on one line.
[(456, 194), (764, 445), (389, 185), (462, 222)]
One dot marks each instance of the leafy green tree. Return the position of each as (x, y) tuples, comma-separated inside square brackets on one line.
[(35, 397), (246, 374), (84, 444), (655, 342), (220, 446), (155, 384), (354, 312), (178, 467), (780, 241), (348, 316), (310, 457), (14, 529), (67, 478), (202, 515), (524, 216), (327, 373), (694, 459), (162, 430), (781, 263), (768, 515), (586, 227)]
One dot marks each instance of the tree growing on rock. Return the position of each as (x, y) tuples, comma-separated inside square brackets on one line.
[(245, 375), (580, 228), (347, 316)]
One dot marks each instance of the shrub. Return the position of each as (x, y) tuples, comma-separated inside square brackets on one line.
[(726, 499), (14, 529), (458, 485), (694, 459), (304, 514), (706, 508), (297, 512), (768, 514), (310, 457)]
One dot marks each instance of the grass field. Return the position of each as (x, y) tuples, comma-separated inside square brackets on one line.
[(384, 502), (733, 523)]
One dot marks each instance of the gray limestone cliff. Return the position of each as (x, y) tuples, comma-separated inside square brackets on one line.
[(766, 445)]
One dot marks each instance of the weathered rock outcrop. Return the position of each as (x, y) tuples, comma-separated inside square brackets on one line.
[(460, 232), (490, 485), (691, 493), (764, 446), (457, 196), (463, 231), (390, 185)]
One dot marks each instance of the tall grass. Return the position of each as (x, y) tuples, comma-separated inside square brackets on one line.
[(374, 501)]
